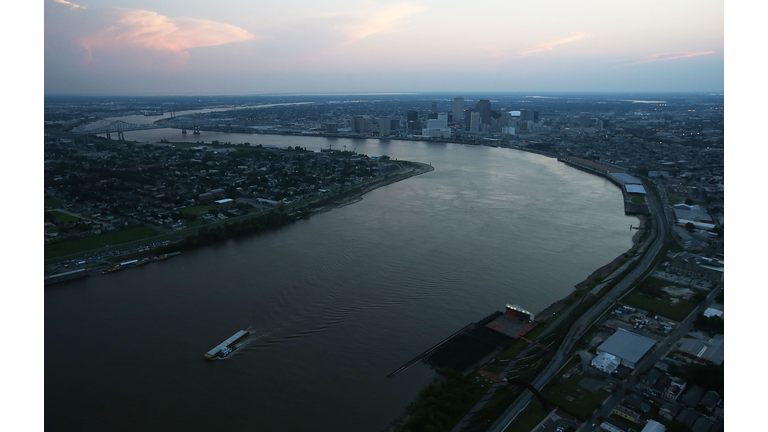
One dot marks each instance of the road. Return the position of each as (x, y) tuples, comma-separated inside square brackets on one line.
[(585, 321)]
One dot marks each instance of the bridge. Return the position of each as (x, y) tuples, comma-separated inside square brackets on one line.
[(109, 127)]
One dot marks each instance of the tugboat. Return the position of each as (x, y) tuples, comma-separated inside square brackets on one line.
[(225, 348)]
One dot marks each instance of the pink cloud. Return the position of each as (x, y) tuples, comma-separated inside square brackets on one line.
[(549, 46), (387, 20), (68, 3), (671, 56), (117, 38)]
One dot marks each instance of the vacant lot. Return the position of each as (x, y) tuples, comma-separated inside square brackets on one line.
[(572, 397), (676, 308)]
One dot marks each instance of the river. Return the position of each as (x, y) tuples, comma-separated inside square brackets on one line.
[(333, 303)]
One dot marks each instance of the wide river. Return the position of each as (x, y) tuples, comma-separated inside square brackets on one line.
[(333, 303)]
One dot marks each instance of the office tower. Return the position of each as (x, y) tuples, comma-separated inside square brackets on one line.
[(458, 108), (529, 115), (474, 123), (385, 123), (437, 127), (432, 116), (484, 108), (468, 118), (394, 124), (359, 124), (434, 107), (331, 128), (413, 116)]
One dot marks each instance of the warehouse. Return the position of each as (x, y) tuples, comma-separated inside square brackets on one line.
[(627, 346)]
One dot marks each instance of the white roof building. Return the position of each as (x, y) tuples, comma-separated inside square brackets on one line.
[(605, 362)]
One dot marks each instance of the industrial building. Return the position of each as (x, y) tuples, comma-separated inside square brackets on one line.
[(711, 351), (627, 346)]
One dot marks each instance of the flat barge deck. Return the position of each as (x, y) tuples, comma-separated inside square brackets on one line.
[(223, 349)]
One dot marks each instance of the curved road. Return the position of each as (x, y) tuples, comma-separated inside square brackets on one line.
[(585, 321)]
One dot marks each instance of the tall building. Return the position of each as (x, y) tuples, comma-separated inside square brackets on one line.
[(474, 123), (385, 123), (484, 108), (359, 124), (468, 118), (529, 115), (413, 116), (458, 108), (434, 107), (437, 127)]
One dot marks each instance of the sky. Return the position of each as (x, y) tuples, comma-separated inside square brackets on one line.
[(169, 47)]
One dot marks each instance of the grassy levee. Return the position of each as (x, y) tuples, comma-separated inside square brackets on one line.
[(501, 399), (528, 418), (68, 247), (442, 403)]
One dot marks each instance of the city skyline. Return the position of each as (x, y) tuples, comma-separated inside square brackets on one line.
[(142, 48)]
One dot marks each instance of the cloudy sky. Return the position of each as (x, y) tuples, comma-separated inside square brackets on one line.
[(295, 46)]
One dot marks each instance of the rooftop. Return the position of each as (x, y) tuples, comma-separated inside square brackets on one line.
[(627, 345)]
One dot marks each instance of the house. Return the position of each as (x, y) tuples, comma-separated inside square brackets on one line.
[(702, 425), (693, 396), (624, 411), (688, 417), (669, 410), (674, 390), (654, 426), (650, 379), (709, 402), (613, 426)]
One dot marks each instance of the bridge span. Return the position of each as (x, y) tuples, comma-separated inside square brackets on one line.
[(109, 127)]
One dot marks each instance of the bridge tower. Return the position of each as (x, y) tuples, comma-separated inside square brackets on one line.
[(197, 130), (183, 129)]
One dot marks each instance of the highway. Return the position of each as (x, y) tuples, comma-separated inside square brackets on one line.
[(585, 321)]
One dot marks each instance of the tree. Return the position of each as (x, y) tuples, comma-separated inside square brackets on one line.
[(677, 426)]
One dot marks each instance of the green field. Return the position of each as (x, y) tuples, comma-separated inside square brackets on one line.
[(63, 217), (194, 210), (663, 306), (53, 203), (66, 247), (585, 401)]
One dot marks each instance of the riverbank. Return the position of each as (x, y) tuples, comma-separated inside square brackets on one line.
[(638, 242), (342, 199), (415, 169)]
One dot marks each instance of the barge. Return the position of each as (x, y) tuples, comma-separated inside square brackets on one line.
[(225, 348)]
